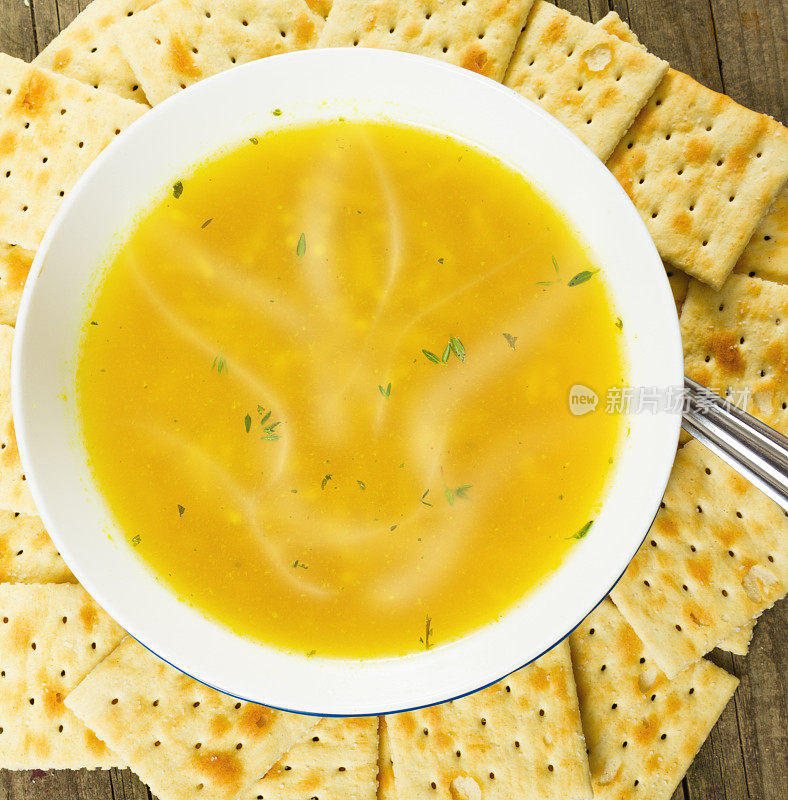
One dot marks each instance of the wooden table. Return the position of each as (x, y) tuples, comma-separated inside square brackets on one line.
[(739, 47)]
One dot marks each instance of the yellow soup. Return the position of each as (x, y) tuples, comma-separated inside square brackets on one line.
[(324, 388)]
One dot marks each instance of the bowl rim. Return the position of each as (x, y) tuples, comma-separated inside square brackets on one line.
[(340, 701)]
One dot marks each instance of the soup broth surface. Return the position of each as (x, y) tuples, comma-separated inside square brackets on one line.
[(324, 388)]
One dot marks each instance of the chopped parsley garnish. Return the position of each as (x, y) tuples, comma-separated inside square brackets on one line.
[(219, 364), (454, 345), (254, 140), (385, 392), (620, 323), (326, 479), (511, 340), (177, 189), (362, 485), (93, 322), (181, 509), (428, 632), (301, 246), (301, 564), (557, 276), (207, 223), (248, 423), (582, 277), (269, 433), (135, 540), (424, 499), (277, 112), (311, 653), (583, 531)]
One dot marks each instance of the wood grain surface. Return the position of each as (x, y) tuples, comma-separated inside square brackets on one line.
[(739, 47)]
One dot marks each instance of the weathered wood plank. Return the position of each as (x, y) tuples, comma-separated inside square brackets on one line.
[(16, 29), (682, 33), (578, 7), (47, 24), (127, 786), (751, 40)]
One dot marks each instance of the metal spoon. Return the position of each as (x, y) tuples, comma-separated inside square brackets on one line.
[(754, 450)]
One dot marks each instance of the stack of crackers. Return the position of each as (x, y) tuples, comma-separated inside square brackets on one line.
[(618, 710)]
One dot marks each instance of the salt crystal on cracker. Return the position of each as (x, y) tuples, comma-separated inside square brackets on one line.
[(27, 554), (190, 741), (86, 49), (51, 128), (519, 738), (175, 43), (715, 558), (738, 643), (51, 636), (588, 79), (702, 171), (478, 35), (642, 729), (338, 760), (14, 494), (736, 342)]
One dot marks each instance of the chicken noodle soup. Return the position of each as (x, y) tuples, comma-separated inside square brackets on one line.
[(324, 388)]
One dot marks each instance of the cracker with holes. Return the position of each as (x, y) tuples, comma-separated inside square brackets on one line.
[(15, 263), (642, 729), (702, 171), (479, 35), (736, 342), (715, 558), (766, 254), (51, 128), (337, 760), (193, 741), (51, 636), (177, 43), (519, 738), (14, 494), (588, 79), (387, 789), (86, 49), (27, 554)]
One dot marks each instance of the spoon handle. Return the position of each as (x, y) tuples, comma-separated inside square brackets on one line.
[(753, 449)]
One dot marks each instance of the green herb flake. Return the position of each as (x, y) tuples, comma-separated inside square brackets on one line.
[(424, 499), (362, 485), (440, 260), (301, 564), (311, 653), (446, 354), (219, 364), (620, 323), (254, 140), (431, 356), (248, 423), (301, 246), (181, 509), (462, 491), (393, 528), (581, 534), (457, 348), (206, 223), (135, 540), (449, 495), (93, 322), (582, 277), (177, 189), (385, 392), (269, 433), (326, 479), (277, 112), (428, 632), (511, 340)]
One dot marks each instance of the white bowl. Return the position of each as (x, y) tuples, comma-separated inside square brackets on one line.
[(151, 154)]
